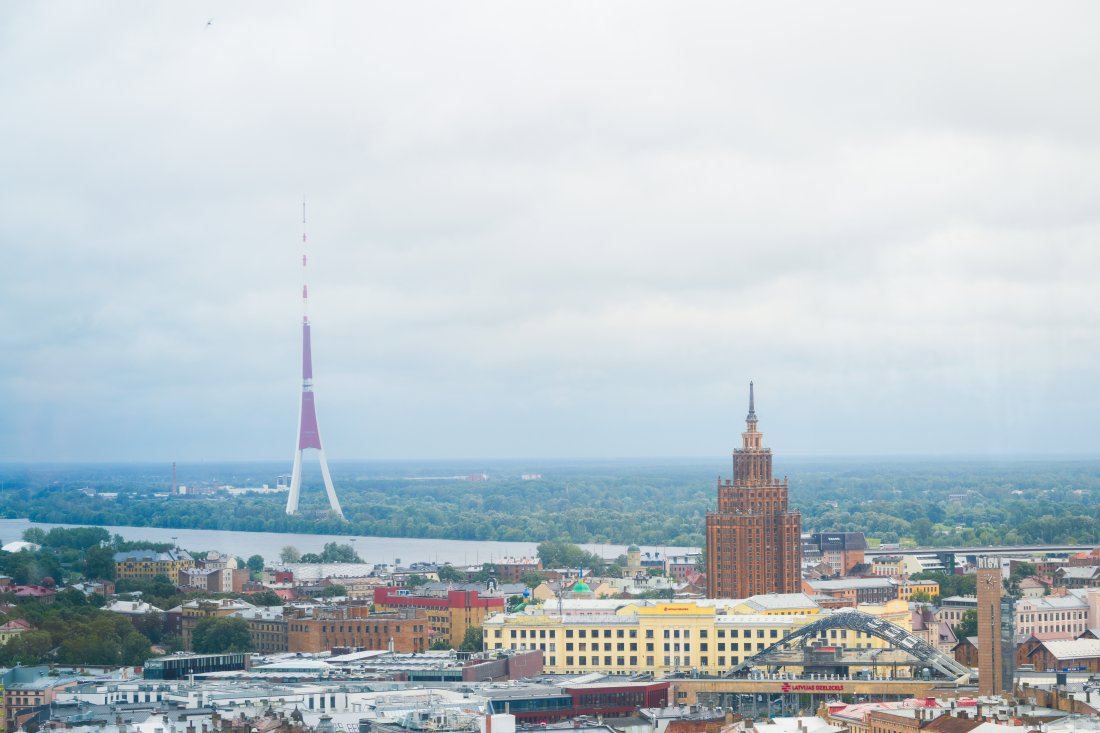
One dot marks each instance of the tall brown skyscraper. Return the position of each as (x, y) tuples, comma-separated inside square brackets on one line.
[(754, 543)]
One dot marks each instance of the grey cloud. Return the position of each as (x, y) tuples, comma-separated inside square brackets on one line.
[(559, 230)]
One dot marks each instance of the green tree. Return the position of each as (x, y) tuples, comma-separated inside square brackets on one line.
[(290, 554), (37, 535), (473, 641), (99, 563), (449, 573), (415, 581), (531, 579), (922, 530), (30, 647), (255, 564), (76, 538), (439, 644), (135, 649), (224, 634), (334, 552), (561, 554), (487, 569), (265, 598), (968, 625), (334, 591)]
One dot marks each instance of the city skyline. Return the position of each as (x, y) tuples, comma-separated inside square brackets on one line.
[(537, 237)]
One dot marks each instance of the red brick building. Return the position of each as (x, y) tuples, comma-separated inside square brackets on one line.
[(448, 617), (754, 542), (321, 629)]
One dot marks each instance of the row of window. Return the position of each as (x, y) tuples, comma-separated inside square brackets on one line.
[(649, 634)]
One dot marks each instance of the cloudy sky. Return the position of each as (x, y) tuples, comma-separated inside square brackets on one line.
[(549, 229)]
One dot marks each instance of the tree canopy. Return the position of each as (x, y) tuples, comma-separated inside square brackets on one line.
[(221, 634)]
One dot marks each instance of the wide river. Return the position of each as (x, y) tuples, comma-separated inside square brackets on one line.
[(371, 549)]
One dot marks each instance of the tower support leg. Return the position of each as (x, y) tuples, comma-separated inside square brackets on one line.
[(333, 502), (296, 483)]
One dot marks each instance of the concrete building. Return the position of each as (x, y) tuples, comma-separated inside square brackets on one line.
[(268, 628), (841, 551), (953, 608), (754, 541), (212, 579), (859, 590), (1055, 617), (27, 690)]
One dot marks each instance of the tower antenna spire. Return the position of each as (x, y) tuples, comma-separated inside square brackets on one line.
[(752, 406), (309, 434)]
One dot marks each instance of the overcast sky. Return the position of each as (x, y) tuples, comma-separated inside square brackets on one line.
[(549, 229)]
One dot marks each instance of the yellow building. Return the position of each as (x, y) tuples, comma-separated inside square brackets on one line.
[(907, 588), (706, 635), (148, 564)]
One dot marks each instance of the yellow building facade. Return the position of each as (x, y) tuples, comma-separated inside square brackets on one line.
[(665, 638), (907, 589), (147, 564)]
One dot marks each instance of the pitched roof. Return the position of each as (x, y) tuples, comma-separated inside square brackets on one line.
[(1073, 648), (951, 724), (16, 624)]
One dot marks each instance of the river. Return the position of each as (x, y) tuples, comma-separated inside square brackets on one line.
[(372, 549)]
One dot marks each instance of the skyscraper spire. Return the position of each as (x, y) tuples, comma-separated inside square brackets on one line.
[(751, 417), (309, 434)]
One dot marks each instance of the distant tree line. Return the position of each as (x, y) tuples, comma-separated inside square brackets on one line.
[(928, 503)]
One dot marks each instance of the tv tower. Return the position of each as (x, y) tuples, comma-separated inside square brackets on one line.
[(309, 435)]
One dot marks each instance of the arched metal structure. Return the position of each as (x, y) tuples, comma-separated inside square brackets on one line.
[(875, 626)]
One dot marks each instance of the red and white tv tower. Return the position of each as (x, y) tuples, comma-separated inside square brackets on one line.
[(309, 435)]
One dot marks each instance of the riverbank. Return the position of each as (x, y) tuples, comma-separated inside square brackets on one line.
[(371, 549)]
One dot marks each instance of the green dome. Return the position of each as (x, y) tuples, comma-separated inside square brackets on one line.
[(633, 548), (581, 587)]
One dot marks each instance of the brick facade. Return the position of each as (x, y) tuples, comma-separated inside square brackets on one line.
[(754, 542), (322, 628)]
